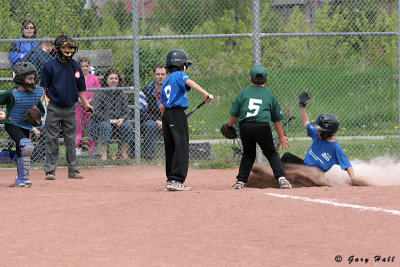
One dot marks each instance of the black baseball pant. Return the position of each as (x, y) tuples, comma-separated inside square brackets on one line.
[(16, 133), (292, 159), (251, 134), (176, 142)]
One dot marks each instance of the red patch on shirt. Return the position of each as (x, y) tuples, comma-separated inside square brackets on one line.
[(77, 74)]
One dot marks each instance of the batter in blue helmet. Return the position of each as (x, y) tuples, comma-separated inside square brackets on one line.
[(174, 101)]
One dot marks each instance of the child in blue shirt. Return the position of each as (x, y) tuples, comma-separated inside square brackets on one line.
[(325, 151), (174, 101)]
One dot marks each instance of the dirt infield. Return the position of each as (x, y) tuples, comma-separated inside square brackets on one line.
[(122, 216)]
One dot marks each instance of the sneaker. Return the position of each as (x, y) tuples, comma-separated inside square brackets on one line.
[(50, 175), (22, 182), (78, 152), (74, 174), (177, 186), (238, 185), (283, 183)]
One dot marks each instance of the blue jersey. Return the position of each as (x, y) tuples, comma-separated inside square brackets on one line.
[(175, 91), (323, 154), (63, 81)]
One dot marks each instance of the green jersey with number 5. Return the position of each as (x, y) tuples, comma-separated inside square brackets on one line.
[(258, 104)]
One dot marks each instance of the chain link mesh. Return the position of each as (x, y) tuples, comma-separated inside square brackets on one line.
[(344, 53)]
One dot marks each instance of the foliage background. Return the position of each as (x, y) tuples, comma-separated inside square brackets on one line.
[(354, 76)]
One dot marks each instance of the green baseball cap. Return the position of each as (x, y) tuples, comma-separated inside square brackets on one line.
[(259, 73)]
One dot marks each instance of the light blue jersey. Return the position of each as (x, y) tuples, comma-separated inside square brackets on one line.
[(323, 154), (175, 91)]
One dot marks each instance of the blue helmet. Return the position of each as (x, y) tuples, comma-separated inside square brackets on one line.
[(178, 58), (327, 123)]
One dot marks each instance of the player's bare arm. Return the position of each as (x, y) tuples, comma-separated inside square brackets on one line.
[(232, 121), (162, 108), (84, 100), (350, 171), (304, 117), (192, 84), (283, 140)]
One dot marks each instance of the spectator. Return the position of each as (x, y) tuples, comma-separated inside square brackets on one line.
[(64, 83), (83, 118), (151, 117), (19, 99), (39, 55), (19, 50), (110, 118)]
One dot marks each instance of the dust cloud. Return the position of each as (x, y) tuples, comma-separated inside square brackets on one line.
[(377, 172)]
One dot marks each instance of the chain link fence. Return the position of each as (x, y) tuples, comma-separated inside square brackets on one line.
[(344, 53)]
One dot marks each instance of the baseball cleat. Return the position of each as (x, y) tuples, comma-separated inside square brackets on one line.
[(239, 185), (283, 183), (177, 186)]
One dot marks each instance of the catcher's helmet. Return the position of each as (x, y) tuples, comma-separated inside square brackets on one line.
[(327, 123), (22, 70), (178, 58), (65, 41)]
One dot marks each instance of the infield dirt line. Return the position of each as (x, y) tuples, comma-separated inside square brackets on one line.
[(336, 204)]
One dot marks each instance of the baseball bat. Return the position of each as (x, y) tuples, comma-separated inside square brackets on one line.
[(190, 113)]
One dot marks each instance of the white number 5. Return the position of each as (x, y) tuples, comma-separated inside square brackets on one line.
[(254, 104)]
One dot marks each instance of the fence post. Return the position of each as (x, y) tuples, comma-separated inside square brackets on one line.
[(257, 48), (136, 77), (398, 59)]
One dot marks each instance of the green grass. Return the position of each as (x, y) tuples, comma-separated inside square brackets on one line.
[(366, 100)]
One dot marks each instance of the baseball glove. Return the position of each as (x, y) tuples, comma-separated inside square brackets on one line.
[(304, 98), (228, 131), (33, 116)]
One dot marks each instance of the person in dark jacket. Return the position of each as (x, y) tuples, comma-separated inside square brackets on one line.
[(18, 49), (110, 117), (39, 55)]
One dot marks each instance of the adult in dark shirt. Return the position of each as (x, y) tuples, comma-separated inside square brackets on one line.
[(63, 81), (110, 118), (151, 116), (39, 55)]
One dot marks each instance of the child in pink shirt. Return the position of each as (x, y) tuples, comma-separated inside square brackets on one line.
[(83, 118)]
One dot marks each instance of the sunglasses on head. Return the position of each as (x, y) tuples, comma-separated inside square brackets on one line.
[(29, 28)]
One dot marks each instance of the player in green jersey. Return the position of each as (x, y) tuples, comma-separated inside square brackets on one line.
[(253, 109)]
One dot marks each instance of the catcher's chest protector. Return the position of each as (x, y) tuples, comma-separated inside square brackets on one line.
[(23, 101)]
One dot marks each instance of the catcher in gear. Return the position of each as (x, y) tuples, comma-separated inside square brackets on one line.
[(19, 100), (253, 109), (325, 151)]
